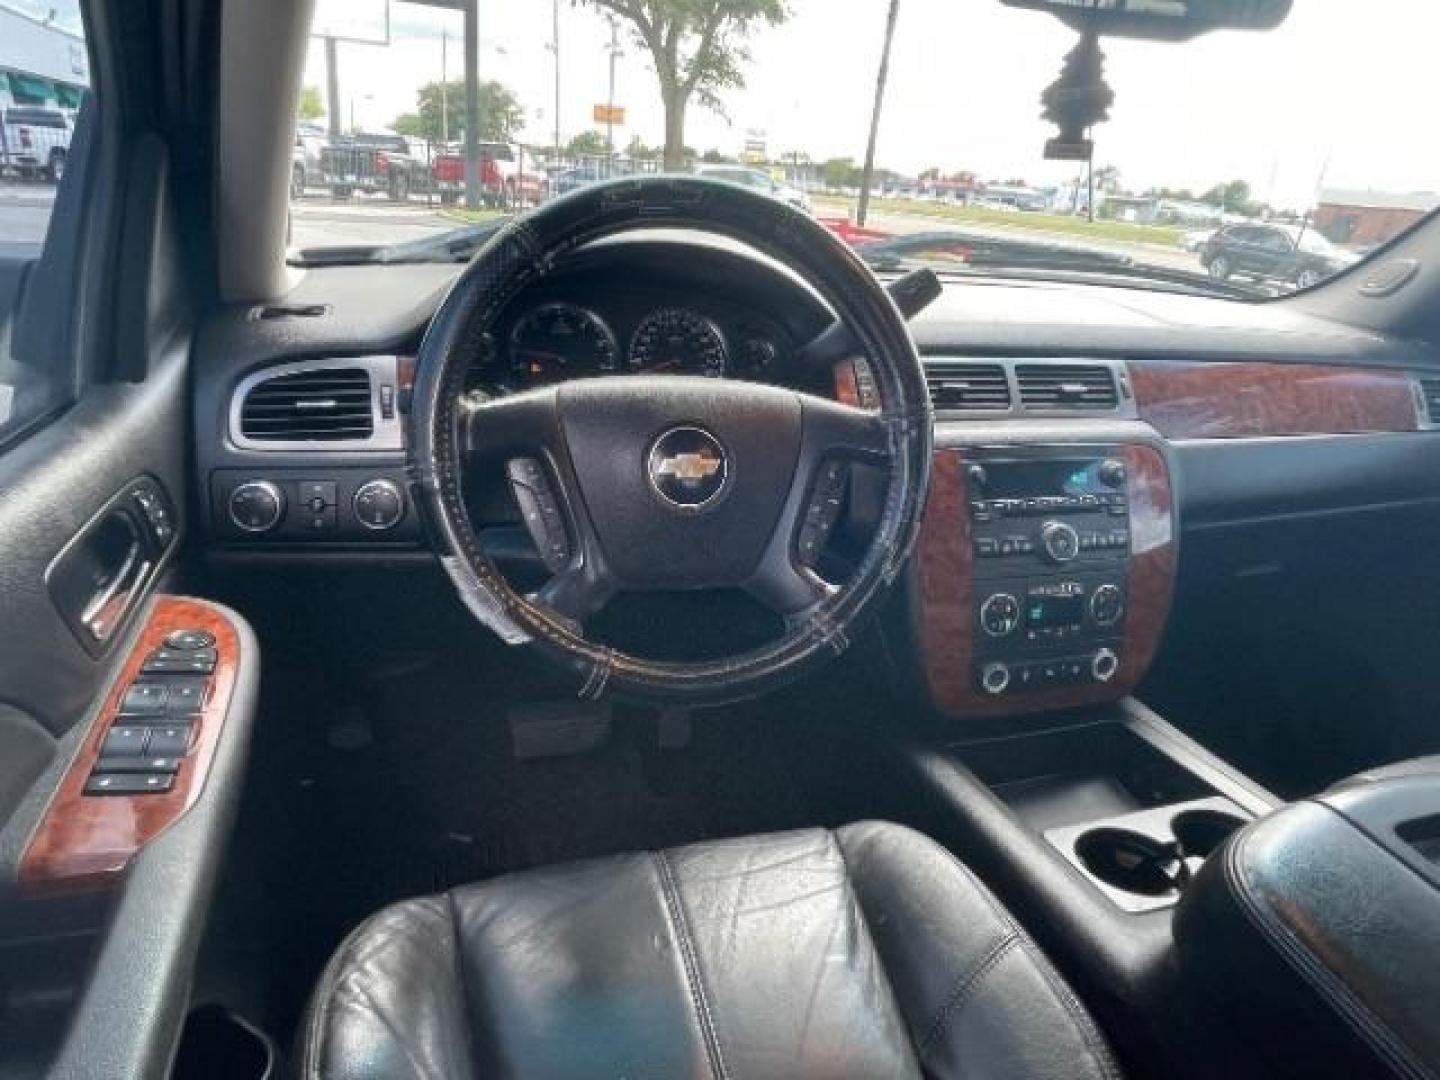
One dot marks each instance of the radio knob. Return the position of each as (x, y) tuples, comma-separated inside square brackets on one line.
[(995, 678), (1000, 614), (1103, 666), (1061, 542), (257, 506), (1106, 605), (976, 475), (1112, 472)]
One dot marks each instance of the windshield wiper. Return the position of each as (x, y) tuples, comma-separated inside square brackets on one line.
[(453, 245), (973, 253)]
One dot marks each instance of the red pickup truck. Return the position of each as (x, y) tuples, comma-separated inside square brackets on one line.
[(504, 181)]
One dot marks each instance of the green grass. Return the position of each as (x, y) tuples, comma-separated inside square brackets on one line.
[(1030, 222), (459, 213)]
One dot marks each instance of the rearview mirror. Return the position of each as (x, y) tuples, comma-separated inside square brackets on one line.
[(1161, 20)]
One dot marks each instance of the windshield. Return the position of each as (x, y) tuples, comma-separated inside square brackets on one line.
[(1242, 162)]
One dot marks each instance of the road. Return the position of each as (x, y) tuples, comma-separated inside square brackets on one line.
[(318, 222), (24, 216)]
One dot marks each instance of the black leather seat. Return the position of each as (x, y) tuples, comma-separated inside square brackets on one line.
[(867, 952)]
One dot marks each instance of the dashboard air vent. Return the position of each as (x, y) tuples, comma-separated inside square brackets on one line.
[(319, 405), (1067, 386), (1430, 398), (957, 385)]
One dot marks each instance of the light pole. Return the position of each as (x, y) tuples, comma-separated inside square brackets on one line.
[(884, 74), (555, 47), (610, 101)]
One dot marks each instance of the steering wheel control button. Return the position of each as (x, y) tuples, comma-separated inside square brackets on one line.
[(822, 512), (189, 639), (1107, 604), (111, 783), (995, 678), (379, 504), (144, 699), (257, 506), (688, 468), (1060, 541), (540, 511), (999, 615)]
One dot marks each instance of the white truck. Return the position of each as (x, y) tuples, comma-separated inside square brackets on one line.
[(34, 141)]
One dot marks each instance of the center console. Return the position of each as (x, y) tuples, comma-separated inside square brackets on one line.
[(1045, 574)]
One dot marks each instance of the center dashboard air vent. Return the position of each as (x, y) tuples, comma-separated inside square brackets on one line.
[(963, 385), (346, 402), (986, 388), (1061, 386)]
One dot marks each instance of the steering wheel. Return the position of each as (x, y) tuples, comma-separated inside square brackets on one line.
[(671, 482)]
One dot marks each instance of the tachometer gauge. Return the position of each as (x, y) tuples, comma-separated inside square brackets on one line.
[(560, 341), (680, 341)]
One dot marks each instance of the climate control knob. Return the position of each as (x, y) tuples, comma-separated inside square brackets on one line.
[(1000, 614), (379, 504), (995, 678), (1107, 605), (257, 506), (1060, 541), (1103, 666)]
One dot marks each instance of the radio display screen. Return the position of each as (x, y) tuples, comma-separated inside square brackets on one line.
[(1024, 479), (1041, 611)]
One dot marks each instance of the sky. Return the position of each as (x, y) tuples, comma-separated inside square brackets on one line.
[(1338, 95)]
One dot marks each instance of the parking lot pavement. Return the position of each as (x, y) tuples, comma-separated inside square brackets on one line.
[(24, 217), (322, 222)]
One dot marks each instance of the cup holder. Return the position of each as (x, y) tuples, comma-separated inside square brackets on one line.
[(1201, 832), (1131, 862)]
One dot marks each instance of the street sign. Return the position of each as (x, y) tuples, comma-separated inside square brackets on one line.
[(609, 114), (1056, 150)]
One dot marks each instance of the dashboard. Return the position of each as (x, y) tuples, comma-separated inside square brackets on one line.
[(1235, 424)]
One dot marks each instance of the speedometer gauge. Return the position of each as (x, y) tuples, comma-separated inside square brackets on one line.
[(678, 340), (560, 341)]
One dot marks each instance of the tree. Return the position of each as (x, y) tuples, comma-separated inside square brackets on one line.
[(501, 116), (698, 48), (589, 143), (311, 106), (840, 173), (1232, 196)]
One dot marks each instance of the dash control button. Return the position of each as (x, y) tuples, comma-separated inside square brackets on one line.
[(187, 640)]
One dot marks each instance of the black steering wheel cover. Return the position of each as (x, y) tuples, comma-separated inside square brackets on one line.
[(524, 250)]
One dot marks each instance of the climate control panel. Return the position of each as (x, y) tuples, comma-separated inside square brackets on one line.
[(336, 505), (1050, 543)]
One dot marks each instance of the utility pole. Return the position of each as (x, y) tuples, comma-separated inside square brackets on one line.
[(332, 87), (610, 101), (444, 89), (472, 104), (869, 172), (555, 44)]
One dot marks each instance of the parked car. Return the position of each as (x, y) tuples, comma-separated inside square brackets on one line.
[(34, 141), (306, 164), (505, 182), (573, 179), (371, 163), (756, 180), (1296, 256)]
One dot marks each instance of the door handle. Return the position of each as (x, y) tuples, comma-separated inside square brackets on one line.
[(116, 590)]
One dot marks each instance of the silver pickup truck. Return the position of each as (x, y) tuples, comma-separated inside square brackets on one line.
[(34, 141)]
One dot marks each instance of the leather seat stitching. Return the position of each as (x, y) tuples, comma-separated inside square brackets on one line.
[(1324, 982), (691, 960), (460, 974), (964, 986), (1094, 1041)]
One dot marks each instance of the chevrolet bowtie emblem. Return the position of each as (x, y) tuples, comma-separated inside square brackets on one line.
[(687, 467), (690, 467)]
